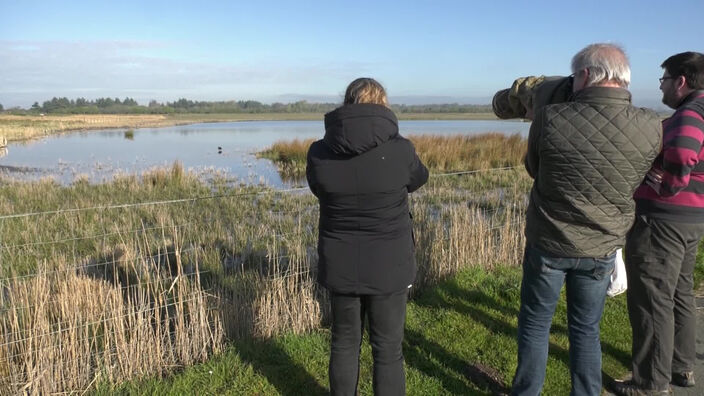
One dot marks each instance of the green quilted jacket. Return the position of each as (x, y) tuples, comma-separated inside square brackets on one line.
[(587, 156)]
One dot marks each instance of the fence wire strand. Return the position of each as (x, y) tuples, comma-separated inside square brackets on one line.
[(217, 196), (112, 352), (94, 265), (121, 289), (50, 347), (197, 295)]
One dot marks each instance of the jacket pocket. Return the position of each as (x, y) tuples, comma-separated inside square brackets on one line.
[(639, 239)]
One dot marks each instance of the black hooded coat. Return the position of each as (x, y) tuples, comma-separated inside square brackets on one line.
[(362, 172)]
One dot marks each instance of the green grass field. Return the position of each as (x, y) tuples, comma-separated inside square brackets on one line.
[(460, 339)]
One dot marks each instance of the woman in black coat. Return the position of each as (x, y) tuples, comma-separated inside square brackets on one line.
[(362, 172)]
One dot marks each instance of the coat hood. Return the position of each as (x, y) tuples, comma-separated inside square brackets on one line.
[(357, 128)]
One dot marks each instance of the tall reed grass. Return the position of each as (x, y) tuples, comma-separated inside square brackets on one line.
[(459, 152), (289, 157), (439, 153), (115, 294)]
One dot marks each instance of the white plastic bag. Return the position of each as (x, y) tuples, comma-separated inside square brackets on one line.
[(619, 283)]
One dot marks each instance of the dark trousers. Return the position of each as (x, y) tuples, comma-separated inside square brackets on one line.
[(386, 315), (660, 258)]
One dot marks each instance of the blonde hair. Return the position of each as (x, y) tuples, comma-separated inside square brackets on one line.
[(366, 90)]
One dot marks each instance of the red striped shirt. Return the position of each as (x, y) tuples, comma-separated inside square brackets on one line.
[(681, 161)]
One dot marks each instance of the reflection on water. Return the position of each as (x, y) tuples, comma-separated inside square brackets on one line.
[(222, 149), (3, 151)]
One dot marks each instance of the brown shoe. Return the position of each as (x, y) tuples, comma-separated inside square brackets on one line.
[(628, 388), (685, 379)]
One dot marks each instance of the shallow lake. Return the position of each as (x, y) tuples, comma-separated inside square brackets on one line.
[(208, 149)]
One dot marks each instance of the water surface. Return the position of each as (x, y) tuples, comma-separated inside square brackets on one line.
[(208, 149)]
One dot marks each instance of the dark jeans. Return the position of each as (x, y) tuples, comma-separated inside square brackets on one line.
[(386, 315), (660, 258), (586, 281)]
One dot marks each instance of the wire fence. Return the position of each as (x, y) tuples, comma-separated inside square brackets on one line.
[(214, 196), (145, 229), (19, 378), (94, 265), (94, 236), (65, 328), (287, 264), (137, 286)]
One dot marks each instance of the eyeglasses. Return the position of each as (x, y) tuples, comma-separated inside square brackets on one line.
[(662, 79)]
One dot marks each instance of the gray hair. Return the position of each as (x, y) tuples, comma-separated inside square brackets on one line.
[(605, 62)]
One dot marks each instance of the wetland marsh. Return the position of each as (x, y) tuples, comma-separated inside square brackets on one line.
[(158, 269), (210, 149)]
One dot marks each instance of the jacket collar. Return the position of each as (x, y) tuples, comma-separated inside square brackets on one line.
[(357, 128), (603, 95), (692, 96)]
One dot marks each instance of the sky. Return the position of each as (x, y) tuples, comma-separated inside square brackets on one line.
[(282, 51)]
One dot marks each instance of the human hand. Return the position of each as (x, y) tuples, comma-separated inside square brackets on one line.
[(654, 179)]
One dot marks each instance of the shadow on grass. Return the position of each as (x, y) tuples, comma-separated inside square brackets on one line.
[(422, 354), (490, 312), (482, 309), (508, 306), (272, 362)]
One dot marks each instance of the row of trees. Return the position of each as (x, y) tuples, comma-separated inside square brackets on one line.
[(130, 106), (84, 106)]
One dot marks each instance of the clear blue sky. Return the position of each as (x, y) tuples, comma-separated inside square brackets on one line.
[(422, 51)]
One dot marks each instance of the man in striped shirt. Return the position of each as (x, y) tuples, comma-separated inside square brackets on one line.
[(662, 245)]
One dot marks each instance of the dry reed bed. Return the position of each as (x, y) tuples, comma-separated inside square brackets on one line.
[(111, 295), (68, 325), (289, 157), (15, 127), (440, 153), (460, 153)]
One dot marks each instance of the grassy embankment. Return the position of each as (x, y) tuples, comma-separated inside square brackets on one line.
[(16, 127), (107, 295)]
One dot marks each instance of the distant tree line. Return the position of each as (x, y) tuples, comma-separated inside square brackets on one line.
[(130, 106)]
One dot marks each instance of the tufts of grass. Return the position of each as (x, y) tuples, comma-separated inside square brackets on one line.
[(289, 157)]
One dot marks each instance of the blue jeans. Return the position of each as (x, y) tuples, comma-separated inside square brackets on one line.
[(587, 280)]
